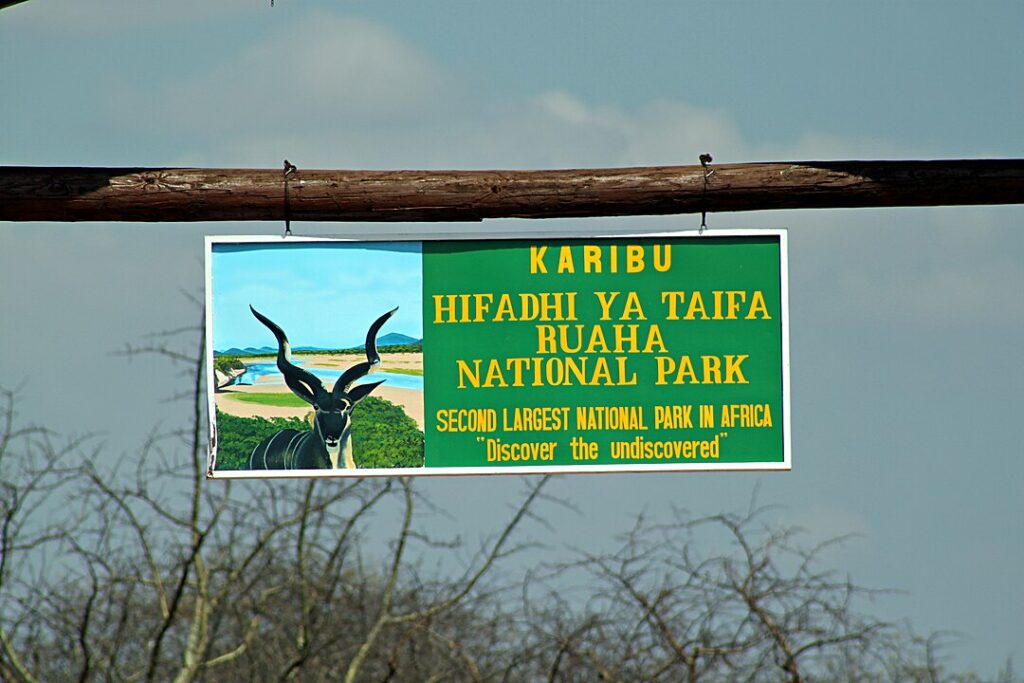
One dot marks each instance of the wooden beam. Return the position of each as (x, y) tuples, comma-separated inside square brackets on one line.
[(194, 194)]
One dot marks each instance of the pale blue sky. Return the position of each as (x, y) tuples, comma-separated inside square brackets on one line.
[(907, 324), (321, 294)]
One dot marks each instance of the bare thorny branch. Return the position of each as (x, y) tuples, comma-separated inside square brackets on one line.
[(385, 617)]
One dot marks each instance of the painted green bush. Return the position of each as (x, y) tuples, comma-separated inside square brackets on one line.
[(226, 364), (384, 436), (237, 436)]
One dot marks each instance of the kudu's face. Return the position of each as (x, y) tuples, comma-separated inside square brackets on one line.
[(333, 414)]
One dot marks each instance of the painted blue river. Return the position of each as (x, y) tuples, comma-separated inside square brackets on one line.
[(267, 373)]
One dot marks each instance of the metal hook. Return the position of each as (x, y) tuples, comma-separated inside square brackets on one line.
[(289, 168), (705, 159)]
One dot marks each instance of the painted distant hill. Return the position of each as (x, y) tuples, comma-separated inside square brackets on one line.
[(395, 339), (247, 351), (389, 339)]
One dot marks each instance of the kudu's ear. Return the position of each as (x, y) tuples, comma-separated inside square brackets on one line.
[(301, 389), (372, 357), (358, 393), (303, 384)]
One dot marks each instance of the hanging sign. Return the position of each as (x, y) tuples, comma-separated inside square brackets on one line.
[(481, 356)]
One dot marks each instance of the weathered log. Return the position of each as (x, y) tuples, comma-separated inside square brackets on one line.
[(195, 194)]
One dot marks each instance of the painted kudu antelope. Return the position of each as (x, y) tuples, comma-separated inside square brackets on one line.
[(329, 444)]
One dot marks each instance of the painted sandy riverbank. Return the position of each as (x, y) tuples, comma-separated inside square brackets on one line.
[(407, 361), (411, 400)]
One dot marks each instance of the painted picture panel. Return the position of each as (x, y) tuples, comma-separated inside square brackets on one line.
[(357, 358)]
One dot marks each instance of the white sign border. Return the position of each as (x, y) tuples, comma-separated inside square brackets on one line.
[(703, 466)]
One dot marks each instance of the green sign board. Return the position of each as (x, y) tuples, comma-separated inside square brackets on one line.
[(504, 355)]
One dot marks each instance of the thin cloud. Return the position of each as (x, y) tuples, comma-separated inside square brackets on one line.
[(307, 75)]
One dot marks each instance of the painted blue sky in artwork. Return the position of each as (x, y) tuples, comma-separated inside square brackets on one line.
[(323, 294)]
